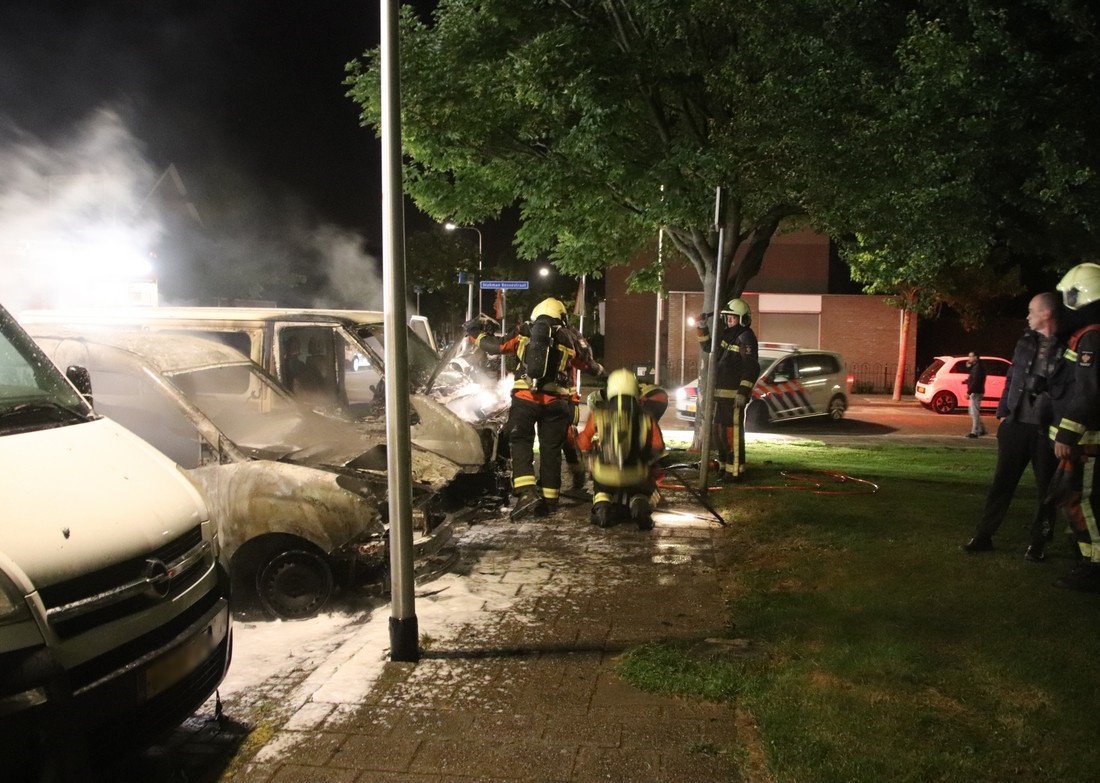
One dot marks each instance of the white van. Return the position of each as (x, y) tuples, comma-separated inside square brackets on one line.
[(114, 618)]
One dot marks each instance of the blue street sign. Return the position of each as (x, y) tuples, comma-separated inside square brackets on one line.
[(508, 284)]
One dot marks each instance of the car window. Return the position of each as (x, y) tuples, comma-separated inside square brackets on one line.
[(784, 370), (995, 367), (960, 367), (930, 371), (816, 365), (238, 341)]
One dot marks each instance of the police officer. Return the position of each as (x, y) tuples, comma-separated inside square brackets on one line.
[(1037, 378), (540, 403), (624, 442), (737, 368), (1077, 431)]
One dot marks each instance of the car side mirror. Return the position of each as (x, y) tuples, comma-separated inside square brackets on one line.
[(81, 379)]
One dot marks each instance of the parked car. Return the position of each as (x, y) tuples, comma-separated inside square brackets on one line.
[(793, 384), (299, 499), (114, 611), (942, 386)]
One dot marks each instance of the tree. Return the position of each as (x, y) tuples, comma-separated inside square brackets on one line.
[(605, 121)]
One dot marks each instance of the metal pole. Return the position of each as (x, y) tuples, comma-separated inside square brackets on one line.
[(580, 323), (404, 636), (706, 394), (470, 300), (503, 327), (479, 275), (657, 364)]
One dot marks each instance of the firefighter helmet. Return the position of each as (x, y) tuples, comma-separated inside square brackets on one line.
[(622, 383), (737, 306), (1080, 286), (551, 307)]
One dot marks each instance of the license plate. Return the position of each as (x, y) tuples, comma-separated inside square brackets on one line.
[(690, 407), (173, 666)]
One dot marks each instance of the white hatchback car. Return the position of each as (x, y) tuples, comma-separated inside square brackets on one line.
[(942, 386), (793, 384)]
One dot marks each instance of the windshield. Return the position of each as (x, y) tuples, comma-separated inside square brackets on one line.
[(422, 359), (33, 394), (242, 402), (930, 373)]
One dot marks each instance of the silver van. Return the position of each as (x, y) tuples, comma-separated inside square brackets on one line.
[(331, 360), (114, 619), (299, 498)]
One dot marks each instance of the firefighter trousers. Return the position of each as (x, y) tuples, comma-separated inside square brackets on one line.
[(550, 420), (729, 426), (1083, 505)]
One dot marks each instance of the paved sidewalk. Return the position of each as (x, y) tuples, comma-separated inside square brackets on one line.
[(518, 680)]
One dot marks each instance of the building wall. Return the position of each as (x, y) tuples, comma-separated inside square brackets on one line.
[(790, 303)]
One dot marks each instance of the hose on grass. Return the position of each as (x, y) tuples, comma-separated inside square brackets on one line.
[(817, 481)]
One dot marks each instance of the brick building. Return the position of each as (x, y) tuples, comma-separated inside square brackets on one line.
[(800, 296)]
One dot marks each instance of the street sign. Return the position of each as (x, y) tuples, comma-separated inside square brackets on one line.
[(505, 284)]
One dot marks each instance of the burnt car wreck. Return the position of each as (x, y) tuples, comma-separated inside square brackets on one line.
[(299, 498)]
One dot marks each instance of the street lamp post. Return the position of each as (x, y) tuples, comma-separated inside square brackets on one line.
[(470, 300)]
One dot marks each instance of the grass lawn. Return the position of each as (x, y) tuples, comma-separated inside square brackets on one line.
[(882, 652)]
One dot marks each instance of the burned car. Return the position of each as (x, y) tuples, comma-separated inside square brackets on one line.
[(333, 361), (299, 498)]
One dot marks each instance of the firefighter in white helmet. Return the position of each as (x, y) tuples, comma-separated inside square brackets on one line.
[(549, 350), (737, 366), (623, 442), (1076, 433)]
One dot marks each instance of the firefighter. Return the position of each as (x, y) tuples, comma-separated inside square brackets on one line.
[(737, 366), (1077, 432), (624, 443), (548, 351)]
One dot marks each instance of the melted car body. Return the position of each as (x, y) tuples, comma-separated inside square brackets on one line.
[(299, 498)]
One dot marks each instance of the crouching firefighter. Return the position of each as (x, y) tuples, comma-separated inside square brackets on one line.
[(548, 351), (737, 366), (624, 443)]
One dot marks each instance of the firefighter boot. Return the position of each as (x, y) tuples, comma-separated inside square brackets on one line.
[(528, 502), (640, 512), (601, 515)]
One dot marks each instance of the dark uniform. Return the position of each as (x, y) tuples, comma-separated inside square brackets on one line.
[(547, 410), (1079, 428), (737, 367)]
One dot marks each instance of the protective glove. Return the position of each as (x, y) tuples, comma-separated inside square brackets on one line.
[(740, 399)]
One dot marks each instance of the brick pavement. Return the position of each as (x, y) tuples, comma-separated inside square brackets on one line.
[(517, 680)]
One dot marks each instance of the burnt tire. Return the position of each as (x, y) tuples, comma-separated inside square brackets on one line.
[(293, 584), (944, 402), (837, 407)]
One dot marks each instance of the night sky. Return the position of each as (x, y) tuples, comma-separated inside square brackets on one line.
[(248, 89)]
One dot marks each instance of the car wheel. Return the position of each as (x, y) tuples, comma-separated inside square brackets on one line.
[(837, 406), (944, 402), (294, 584)]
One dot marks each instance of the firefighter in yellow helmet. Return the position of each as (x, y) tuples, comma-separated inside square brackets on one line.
[(737, 366), (624, 443), (548, 350), (1076, 433)]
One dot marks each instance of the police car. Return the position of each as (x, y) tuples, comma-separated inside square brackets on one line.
[(793, 384)]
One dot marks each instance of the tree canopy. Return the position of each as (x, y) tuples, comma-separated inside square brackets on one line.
[(935, 140)]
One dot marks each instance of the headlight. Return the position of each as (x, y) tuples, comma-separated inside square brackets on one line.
[(13, 604)]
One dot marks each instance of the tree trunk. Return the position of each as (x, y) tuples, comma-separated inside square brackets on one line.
[(903, 351)]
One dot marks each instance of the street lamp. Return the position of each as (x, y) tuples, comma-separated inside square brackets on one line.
[(544, 271), (470, 301)]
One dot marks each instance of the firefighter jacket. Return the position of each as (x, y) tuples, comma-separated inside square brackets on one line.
[(573, 353), (624, 441), (738, 360), (1021, 378), (1079, 422)]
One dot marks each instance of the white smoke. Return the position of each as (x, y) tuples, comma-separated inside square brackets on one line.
[(74, 226), (351, 273)]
